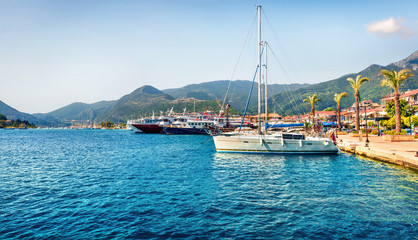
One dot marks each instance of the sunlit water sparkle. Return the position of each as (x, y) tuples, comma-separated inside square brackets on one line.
[(101, 184)]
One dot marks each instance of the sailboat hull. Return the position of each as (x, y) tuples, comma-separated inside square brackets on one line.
[(272, 145)]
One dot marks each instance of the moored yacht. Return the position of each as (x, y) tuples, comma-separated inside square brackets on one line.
[(272, 143), (263, 140), (200, 127)]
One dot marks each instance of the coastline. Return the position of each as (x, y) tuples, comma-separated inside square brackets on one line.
[(399, 153)]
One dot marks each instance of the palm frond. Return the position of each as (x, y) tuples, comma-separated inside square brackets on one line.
[(362, 81), (395, 79), (315, 98), (356, 84), (386, 73), (312, 100), (386, 83), (338, 97), (352, 82), (405, 74)]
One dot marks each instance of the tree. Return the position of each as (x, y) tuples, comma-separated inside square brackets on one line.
[(356, 84), (107, 124), (407, 123), (394, 80), (337, 98), (312, 100), (403, 107), (2, 117), (329, 109)]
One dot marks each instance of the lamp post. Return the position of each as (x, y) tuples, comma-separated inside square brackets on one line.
[(338, 127), (410, 113), (365, 118)]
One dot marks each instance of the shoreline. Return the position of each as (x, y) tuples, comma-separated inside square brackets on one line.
[(399, 153)]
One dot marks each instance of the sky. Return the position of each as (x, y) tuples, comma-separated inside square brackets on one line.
[(54, 53)]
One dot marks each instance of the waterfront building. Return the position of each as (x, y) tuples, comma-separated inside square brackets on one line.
[(411, 96)]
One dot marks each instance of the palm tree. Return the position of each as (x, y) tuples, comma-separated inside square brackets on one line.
[(394, 80), (337, 98), (356, 86), (312, 100)]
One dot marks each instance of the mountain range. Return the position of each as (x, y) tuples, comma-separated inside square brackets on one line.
[(292, 102), (285, 98), (238, 92)]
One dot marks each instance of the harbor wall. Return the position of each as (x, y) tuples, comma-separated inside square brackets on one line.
[(379, 154)]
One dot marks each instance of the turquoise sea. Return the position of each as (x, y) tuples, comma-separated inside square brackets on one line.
[(114, 184)]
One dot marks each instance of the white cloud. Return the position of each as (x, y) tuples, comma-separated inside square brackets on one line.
[(390, 26)]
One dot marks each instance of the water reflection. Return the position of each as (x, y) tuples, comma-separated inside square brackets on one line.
[(159, 186)]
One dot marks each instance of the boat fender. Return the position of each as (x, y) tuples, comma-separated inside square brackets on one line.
[(282, 141), (326, 143), (300, 143)]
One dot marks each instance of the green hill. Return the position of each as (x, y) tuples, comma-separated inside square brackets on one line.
[(238, 92), (292, 102), (80, 112), (135, 103), (141, 102), (287, 99), (144, 100), (199, 95), (14, 114)]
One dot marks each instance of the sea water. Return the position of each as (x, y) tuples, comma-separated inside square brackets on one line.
[(115, 184)]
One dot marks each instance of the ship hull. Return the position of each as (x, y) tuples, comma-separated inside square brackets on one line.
[(187, 131), (148, 128), (272, 145)]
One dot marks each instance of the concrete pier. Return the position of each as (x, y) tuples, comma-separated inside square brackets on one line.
[(400, 153)]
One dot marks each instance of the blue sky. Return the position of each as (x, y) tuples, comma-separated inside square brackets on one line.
[(53, 53)]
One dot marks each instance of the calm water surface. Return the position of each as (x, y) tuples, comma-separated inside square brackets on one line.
[(114, 184)]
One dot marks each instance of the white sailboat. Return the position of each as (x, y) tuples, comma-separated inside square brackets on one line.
[(263, 141)]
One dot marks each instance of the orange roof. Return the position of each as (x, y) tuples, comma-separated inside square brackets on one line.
[(325, 112), (370, 111), (409, 93), (271, 115), (380, 108), (405, 94), (347, 113)]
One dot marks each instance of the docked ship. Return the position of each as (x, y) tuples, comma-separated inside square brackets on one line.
[(153, 125), (193, 127), (147, 125), (201, 125)]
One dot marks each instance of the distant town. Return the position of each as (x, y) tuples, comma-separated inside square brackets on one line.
[(379, 116)]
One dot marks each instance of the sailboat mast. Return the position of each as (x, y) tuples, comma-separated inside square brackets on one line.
[(227, 108), (265, 81), (259, 65)]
